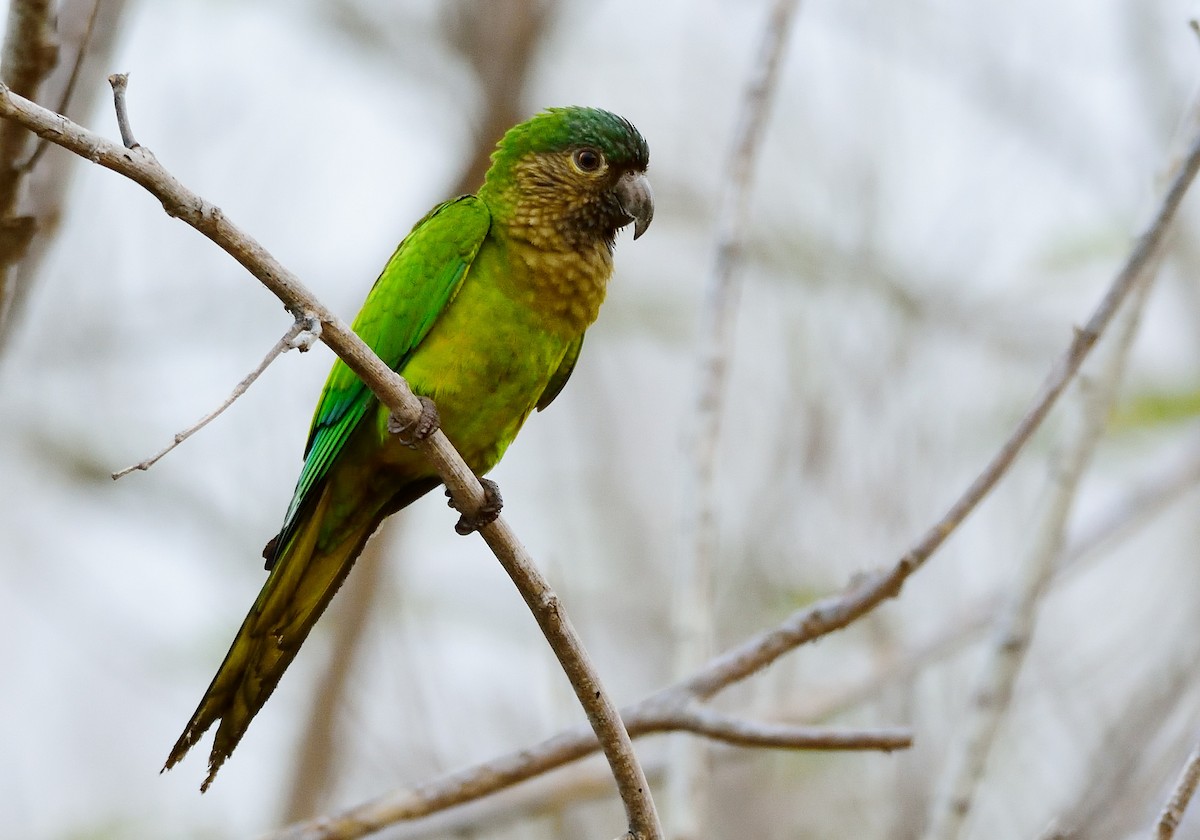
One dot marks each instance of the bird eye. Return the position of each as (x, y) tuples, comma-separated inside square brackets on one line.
[(588, 160)]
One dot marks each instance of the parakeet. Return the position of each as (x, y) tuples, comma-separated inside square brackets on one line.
[(482, 308)]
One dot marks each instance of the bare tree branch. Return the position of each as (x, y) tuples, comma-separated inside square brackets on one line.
[(140, 165), (541, 797), (693, 610), (120, 85), (75, 43), (1181, 795), (87, 31), (29, 53), (655, 715), (1013, 634), (1123, 519), (871, 589), (702, 720)]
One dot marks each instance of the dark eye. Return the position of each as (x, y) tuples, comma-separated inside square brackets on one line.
[(588, 160)]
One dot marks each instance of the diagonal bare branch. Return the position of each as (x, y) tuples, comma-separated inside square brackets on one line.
[(1181, 795), (1013, 633)]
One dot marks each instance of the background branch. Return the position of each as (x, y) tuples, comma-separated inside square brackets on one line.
[(1181, 795), (29, 53), (693, 608), (86, 36), (289, 341), (1013, 633), (867, 592)]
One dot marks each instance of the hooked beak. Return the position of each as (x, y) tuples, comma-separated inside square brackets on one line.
[(636, 199)]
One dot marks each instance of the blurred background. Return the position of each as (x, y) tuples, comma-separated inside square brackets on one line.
[(944, 191)]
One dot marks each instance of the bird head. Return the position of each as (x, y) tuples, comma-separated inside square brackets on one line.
[(575, 175)]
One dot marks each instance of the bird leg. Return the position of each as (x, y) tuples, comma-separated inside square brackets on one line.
[(488, 511), (410, 433)]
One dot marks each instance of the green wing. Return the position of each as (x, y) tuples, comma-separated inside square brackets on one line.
[(561, 375), (423, 275)]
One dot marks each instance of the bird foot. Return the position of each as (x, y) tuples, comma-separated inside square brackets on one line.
[(488, 511), (411, 433)]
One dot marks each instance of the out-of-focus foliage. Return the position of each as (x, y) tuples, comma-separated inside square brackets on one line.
[(1157, 408)]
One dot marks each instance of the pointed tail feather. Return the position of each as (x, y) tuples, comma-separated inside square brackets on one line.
[(299, 588)]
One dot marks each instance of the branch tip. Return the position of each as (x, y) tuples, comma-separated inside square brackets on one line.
[(120, 82)]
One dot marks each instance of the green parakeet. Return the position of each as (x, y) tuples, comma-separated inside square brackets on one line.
[(482, 308)]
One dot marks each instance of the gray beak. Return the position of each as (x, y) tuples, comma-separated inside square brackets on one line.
[(636, 199)]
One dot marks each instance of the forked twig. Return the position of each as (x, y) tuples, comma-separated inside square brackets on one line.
[(302, 335)]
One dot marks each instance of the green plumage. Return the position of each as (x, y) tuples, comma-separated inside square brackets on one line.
[(482, 308)]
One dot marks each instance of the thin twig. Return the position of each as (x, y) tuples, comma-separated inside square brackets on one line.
[(693, 610), (391, 389), (647, 718), (702, 720), (120, 84), (584, 782), (301, 336), (1181, 795)]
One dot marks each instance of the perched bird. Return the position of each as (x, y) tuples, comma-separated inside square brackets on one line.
[(482, 308)]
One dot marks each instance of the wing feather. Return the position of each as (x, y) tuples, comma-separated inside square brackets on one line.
[(421, 278)]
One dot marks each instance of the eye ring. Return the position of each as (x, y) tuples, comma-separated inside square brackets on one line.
[(587, 159)]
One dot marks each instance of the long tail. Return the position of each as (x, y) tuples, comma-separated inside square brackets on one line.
[(300, 586)]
